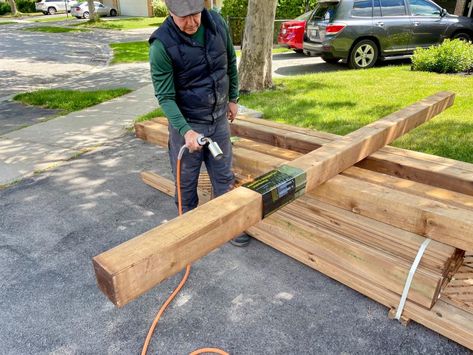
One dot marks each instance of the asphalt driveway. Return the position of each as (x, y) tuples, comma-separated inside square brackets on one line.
[(251, 300)]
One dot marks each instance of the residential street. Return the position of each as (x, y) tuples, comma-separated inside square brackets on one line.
[(73, 205), (31, 60)]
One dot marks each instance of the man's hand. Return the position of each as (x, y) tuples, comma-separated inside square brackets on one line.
[(232, 111), (191, 141)]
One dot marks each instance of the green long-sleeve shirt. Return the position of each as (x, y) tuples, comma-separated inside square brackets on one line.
[(163, 78)]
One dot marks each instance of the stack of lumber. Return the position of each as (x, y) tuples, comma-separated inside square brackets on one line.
[(364, 226), (459, 291)]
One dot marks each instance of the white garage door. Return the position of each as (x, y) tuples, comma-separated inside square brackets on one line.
[(134, 7)]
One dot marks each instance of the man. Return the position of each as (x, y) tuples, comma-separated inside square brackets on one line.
[(194, 73)]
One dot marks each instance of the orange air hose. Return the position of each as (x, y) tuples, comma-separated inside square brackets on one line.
[(181, 284)]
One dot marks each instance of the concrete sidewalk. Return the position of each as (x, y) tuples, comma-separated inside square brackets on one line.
[(45, 145)]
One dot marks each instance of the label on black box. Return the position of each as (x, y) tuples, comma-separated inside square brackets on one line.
[(279, 187)]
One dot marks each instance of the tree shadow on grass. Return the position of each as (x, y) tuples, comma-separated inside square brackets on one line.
[(288, 56), (311, 68), (310, 114)]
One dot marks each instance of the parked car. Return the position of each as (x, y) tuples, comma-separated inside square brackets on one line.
[(82, 10), (362, 31), (291, 33), (51, 7)]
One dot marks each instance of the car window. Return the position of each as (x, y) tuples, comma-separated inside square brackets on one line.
[(303, 17), (362, 8), (393, 8), (323, 12), (423, 8), (376, 8)]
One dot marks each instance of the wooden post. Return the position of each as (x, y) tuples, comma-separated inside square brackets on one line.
[(132, 268)]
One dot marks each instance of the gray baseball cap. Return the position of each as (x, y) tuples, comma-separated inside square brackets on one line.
[(183, 8)]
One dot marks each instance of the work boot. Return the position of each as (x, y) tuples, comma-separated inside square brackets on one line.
[(241, 241)]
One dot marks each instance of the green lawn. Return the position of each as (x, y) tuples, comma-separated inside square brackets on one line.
[(150, 115), (130, 52), (68, 100), (125, 24), (53, 29), (343, 101), (7, 22)]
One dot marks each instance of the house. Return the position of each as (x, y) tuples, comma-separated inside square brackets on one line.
[(142, 8), (145, 7)]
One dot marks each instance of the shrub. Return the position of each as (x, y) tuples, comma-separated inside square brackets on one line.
[(234, 11), (289, 9), (4, 8), (450, 57), (159, 8), (26, 5)]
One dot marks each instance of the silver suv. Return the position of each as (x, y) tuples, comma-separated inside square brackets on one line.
[(51, 7), (360, 32)]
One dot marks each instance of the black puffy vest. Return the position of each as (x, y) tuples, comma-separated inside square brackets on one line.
[(200, 72)]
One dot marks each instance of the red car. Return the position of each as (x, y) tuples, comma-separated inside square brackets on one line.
[(291, 34)]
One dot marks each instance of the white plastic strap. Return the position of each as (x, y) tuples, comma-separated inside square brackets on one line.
[(412, 271)]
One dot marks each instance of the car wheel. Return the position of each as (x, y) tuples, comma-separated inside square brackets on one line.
[(85, 14), (330, 60), (52, 10), (462, 36), (113, 12), (363, 55)]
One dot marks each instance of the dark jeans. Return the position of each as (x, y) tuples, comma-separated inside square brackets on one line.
[(220, 171)]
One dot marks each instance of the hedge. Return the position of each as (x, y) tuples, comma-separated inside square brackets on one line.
[(450, 57), (234, 11)]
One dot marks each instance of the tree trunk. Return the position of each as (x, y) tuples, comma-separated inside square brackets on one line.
[(92, 13), (255, 65), (14, 10), (460, 7)]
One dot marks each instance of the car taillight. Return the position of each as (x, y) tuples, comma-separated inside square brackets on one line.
[(294, 27), (334, 29)]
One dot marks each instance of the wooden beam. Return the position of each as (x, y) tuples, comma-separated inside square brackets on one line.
[(132, 268), (362, 229), (436, 213), (407, 164), (337, 240), (428, 169)]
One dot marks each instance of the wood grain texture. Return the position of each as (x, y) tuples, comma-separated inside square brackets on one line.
[(130, 269), (368, 231)]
